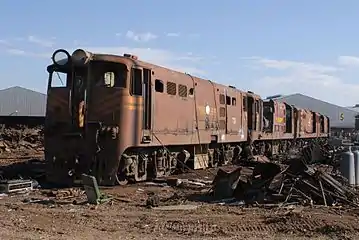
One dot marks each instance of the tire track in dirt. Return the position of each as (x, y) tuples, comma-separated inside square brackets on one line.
[(207, 228)]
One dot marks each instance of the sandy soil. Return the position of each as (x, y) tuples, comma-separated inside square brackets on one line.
[(64, 214)]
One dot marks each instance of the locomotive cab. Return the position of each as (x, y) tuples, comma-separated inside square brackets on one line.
[(92, 100)]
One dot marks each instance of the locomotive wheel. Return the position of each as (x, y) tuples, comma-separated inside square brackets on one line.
[(121, 180), (213, 163), (121, 177)]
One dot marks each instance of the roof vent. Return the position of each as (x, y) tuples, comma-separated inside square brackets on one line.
[(130, 56)]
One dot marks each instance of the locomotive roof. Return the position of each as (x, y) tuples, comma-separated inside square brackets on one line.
[(131, 60), (140, 63)]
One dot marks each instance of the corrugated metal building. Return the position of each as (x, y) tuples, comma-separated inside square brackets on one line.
[(355, 108), (340, 117), (18, 101)]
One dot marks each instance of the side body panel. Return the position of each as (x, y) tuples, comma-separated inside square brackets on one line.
[(187, 110)]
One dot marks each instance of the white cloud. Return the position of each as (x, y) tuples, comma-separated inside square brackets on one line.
[(348, 61), (20, 52), (291, 65), (4, 42), (173, 34), (141, 37), (14, 51), (319, 81), (42, 42)]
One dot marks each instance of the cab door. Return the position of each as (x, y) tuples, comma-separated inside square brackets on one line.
[(233, 107), (78, 97), (258, 114), (147, 105)]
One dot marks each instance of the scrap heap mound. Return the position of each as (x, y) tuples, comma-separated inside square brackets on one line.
[(18, 141), (285, 184)]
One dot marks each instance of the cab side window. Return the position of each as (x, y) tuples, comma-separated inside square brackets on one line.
[(110, 75), (109, 79), (136, 82)]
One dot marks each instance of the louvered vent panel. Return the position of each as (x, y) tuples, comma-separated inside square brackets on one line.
[(182, 90), (171, 88)]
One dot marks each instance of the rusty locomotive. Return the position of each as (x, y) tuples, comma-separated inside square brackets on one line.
[(121, 119)]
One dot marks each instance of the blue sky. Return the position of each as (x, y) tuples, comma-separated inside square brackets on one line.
[(269, 47)]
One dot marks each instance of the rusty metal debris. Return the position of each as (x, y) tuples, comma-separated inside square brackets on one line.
[(20, 140), (178, 182), (226, 181), (295, 183), (152, 200), (92, 190), (31, 169), (67, 193), (12, 186)]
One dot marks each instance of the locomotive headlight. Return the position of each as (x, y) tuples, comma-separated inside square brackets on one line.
[(60, 57), (80, 56)]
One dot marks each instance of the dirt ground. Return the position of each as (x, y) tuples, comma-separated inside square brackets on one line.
[(65, 214)]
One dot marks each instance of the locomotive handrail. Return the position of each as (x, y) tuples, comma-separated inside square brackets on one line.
[(215, 104)]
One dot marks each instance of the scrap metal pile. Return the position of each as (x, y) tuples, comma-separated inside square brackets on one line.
[(273, 183), (20, 140)]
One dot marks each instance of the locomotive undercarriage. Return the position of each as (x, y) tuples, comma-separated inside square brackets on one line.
[(276, 149), (141, 164)]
